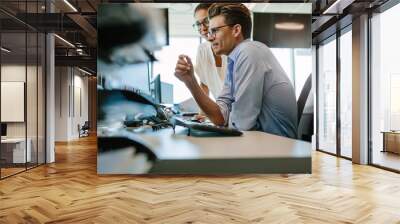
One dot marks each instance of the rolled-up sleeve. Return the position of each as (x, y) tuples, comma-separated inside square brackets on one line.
[(224, 101)]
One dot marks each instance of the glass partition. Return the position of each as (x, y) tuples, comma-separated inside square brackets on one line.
[(385, 89), (327, 96), (13, 94), (346, 94), (41, 91), (22, 64), (31, 97)]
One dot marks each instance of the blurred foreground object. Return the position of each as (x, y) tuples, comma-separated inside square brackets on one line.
[(129, 33)]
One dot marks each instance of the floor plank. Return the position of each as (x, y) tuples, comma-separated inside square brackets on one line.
[(70, 191)]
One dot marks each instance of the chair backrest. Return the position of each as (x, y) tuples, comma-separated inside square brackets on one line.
[(86, 125), (301, 102), (305, 116)]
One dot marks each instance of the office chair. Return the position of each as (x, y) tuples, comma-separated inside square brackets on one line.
[(84, 129), (305, 112)]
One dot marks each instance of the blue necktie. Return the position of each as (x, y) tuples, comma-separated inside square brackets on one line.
[(230, 78)]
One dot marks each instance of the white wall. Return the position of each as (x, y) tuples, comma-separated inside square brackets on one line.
[(61, 103), (14, 73), (79, 117), (71, 93)]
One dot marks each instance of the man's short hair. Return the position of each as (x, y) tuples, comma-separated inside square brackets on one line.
[(202, 6), (234, 13)]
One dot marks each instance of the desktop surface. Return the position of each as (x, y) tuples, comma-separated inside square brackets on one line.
[(254, 152)]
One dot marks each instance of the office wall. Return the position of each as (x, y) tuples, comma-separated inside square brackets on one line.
[(80, 104), (17, 73), (71, 102), (62, 81)]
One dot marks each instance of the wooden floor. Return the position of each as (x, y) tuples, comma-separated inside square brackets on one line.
[(70, 191), (10, 171), (387, 159)]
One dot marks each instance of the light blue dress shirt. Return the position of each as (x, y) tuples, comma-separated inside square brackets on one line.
[(257, 93)]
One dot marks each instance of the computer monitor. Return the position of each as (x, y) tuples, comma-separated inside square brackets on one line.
[(3, 129), (156, 89), (164, 31), (128, 33)]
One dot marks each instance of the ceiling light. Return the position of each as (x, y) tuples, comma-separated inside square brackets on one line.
[(84, 71), (289, 26), (65, 41), (5, 50), (338, 6), (70, 5)]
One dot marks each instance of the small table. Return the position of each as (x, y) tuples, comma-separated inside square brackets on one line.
[(391, 141), (13, 150)]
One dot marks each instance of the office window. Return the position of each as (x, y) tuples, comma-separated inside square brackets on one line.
[(285, 57), (327, 96), (385, 87), (346, 94), (302, 68), (297, 63), (167, 58)]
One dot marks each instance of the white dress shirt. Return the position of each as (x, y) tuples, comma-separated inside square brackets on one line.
[(207, 71)]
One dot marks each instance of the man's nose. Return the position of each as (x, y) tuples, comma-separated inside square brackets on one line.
[(210, 37)]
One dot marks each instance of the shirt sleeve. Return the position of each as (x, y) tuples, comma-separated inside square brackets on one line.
[(249, 76), (224, 101)]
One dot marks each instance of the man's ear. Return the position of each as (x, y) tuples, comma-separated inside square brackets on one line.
[(237, 30)]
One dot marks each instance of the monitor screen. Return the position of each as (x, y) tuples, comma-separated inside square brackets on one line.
[(280, 30), (156, 90), (164, 29), (129, 76), (3, 129)]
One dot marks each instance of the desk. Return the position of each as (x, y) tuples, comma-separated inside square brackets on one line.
[(254, 152), (391, 141), (16, 148)]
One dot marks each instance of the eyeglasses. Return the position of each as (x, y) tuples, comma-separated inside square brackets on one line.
[(213, 31), (197, 24)]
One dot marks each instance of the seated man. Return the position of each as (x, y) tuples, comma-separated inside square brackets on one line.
[(257, 94)]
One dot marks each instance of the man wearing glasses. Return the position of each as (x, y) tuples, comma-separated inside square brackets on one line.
[(257, 94)]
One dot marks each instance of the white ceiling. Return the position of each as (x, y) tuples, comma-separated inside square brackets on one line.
[(181, 14)]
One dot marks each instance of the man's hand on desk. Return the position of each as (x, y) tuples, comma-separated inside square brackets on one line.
[(200, 118)]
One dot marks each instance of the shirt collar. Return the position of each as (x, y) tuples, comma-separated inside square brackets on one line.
[(233, 55)]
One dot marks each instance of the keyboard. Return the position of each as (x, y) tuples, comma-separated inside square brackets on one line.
[(206, 127)]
